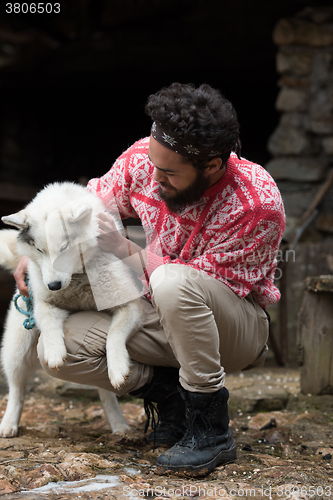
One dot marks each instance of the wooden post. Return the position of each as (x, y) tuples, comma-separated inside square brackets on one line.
[(315, 335)]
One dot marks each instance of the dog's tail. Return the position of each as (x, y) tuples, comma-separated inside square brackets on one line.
[(9, 258)]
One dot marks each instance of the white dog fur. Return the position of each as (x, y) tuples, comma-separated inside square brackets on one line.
[(67, 272)]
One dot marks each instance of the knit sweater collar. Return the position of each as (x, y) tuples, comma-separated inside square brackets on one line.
[(225, 180)]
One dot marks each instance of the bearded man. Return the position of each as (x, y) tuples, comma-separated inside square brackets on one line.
[(213, 223)]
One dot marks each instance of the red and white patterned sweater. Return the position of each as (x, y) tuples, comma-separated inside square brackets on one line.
[(232, 233)]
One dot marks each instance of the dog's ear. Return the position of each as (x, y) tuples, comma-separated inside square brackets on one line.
[(18, 220), (81, 213)]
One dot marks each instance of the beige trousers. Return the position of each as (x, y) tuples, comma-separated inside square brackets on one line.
[(195, 322)]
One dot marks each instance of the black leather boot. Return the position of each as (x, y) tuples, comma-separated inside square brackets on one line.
[(170, 425), (208, 440)]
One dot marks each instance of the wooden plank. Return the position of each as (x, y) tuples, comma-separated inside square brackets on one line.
[(315, 332), (309, 259)]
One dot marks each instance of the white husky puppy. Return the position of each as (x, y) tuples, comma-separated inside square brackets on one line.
[(67, 272)]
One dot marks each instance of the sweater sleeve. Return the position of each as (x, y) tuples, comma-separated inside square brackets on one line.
[(244, 257)]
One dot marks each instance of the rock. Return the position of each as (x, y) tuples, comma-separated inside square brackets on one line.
[(295, 61), (322, 125), (293, 82), (321, 67), (320, 112), (324, 451), (327, 143), (321, 102), (289, 168), (291, 100), (307, 429), (258, 421), (287, 140), (81, 465), (43, 475), (293, 31), (247, 447), (6, 486), (270, 425), (275, 436), (13, 473), (295, 119)]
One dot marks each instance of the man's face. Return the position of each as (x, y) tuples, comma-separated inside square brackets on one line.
[(180, 184)]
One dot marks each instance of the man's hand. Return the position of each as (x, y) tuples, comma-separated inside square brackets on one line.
[(20, 274), (109, 239)]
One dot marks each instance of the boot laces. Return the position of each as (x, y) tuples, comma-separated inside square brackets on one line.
[(199, 431), (153, 415)]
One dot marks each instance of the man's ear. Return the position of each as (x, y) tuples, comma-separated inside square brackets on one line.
[(213, 165)]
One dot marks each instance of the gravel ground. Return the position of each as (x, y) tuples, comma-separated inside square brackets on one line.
[(65, 448)]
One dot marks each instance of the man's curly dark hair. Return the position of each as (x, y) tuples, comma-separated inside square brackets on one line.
[(199, 115)]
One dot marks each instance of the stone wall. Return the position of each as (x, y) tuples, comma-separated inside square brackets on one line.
[(302, 149), (302, 143)]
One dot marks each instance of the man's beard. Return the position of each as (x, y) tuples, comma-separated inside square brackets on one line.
[(187, 196)]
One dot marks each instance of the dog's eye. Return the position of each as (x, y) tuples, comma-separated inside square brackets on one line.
[(64, 247), (39, 250)]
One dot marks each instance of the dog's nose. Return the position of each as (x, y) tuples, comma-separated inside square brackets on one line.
[(54, 285)]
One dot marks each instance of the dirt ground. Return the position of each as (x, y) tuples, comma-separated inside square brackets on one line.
[(65, 447)]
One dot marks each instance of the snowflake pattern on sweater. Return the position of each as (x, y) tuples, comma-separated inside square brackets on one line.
[(232, 233)]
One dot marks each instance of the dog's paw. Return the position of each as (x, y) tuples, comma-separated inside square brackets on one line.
[(117, 379), (119, 373), (121, 430), (8, 430), (119, 364), (56, 358)]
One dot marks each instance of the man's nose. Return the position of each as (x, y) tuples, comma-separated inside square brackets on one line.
[(159, 176)]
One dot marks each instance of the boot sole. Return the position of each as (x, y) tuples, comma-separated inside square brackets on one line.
[(223, 457)]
